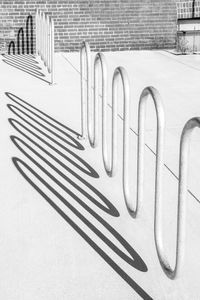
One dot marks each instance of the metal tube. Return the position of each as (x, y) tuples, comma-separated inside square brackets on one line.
[(45, 39), (48, 43), (85, 106), (52, 52), (42, 36), (120, 72), (111, 164), (37, 32), (100, 61), (181, 211), (45, 42), (141, 144)]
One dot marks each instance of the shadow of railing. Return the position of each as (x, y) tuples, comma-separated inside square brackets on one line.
[(25, 63), (44, 143)]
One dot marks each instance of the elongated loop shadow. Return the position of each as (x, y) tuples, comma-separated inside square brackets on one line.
[(134, 259), (138, 262), (45, 170), (87, 170), (22, 61), (75, 143), (31, 59), (24, 65), (109, 208), (18, 100)]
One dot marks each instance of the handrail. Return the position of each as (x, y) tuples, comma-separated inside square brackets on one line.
[(11, 44), (29, 20), (20, 33), (85, 106), (45, 42)]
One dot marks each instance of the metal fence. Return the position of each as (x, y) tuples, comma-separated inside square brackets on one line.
[(90, 125)]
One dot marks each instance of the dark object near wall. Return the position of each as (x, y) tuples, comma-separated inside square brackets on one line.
[(11, 46), (20, 44), (21, 39), (29, 42)]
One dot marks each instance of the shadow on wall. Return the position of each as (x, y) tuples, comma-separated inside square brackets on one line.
[(21, 49), (46, 143)]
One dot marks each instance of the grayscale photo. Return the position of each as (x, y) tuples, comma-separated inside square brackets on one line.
[(100, 144)]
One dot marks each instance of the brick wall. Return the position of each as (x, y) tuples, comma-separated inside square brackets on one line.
[(106, 24), (185, 8)]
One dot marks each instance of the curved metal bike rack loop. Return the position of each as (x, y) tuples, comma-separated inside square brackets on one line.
[(52, 68), (181, 212), (110, 166), (120, 72), (20, 33), (45, 41), (85, 106), (150, 91), (100, 61)]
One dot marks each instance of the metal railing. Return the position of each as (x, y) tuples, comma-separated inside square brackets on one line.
[(89, 124), (45, 41)]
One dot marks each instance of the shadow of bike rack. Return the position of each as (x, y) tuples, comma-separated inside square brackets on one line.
[(44, 41)]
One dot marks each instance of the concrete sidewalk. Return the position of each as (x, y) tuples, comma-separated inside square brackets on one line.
[(84, 245)]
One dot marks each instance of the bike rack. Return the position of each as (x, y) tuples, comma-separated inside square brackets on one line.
[(45, 41), (111, 165), (181, 212)]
